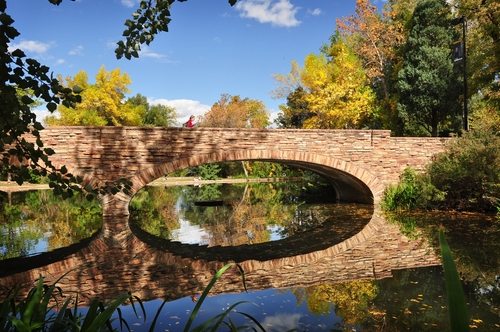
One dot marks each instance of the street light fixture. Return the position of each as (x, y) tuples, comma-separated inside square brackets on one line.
[(460, 54)]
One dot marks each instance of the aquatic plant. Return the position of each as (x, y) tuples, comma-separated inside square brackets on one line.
[(37, 312)]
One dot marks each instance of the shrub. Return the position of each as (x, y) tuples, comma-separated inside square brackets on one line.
[(414, 191), (469, 170)]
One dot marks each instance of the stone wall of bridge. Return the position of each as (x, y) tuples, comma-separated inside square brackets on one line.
[(364, 160)]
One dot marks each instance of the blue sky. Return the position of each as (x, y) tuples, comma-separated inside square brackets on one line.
[(211, 48)]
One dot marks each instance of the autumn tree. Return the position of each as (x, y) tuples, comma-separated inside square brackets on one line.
[(102, 102), (338, 92), (374, 39), (428, 82), (352, 299), (235, 112)]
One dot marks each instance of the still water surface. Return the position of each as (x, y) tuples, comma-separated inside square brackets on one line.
[(277, 219)]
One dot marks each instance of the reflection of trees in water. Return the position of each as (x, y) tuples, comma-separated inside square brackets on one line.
[(40, 213), (153, 210), (351, 300), (18, 237), (241, 213), (476, 264)]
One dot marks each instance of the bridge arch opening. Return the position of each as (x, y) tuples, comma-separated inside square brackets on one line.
[(352, 183)]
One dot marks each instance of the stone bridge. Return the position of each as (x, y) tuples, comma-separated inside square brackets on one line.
[(360, 163)]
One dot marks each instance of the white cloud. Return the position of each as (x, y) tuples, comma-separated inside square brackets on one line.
[(183, 107), (30, 46), (273, 115), (60, 61), (128, 3), (147, 53), (282, 322), (314, 12), (279, 13), (77, 50)]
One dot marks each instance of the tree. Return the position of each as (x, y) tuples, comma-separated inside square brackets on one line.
[(18, 155), (373, 39), (469, 170), (234, 112), (102, 102), (296, 111), (483, 50), (428, 83), (338, 92), (154, 115)]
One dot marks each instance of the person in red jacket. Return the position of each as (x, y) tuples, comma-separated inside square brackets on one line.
[(190, 122)]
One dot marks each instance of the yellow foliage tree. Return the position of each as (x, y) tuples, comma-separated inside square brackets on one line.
[(339, 95), (351, 299), (101, 102)]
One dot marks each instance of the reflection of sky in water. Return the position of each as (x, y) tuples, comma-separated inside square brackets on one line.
[(275, 232), (189, 233), (32, 247), (276, 310)]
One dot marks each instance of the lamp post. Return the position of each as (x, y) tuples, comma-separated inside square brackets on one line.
[(460, 54)]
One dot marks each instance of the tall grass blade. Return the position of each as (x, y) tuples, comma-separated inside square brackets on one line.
[(103, 317), (242, 273), (153, 324), (253, 320), (204, 295), (61, 318), (456, 299), (32, 304), (91, 314), (225, 313), (122, 320), (131, 299)]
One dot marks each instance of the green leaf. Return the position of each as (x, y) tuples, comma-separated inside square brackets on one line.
[(6, 19), (26, 100), (456, 299), (51, 106), (204, 295), (101, 319), (49, 151)]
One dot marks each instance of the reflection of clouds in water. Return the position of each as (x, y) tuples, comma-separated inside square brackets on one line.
[(275, 232), (281, 322), (190, 234)]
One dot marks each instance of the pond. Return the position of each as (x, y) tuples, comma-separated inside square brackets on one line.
[(282, 234)]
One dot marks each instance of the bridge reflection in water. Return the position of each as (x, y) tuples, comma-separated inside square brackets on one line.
[(149, 268)]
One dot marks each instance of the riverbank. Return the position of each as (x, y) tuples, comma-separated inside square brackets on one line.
[(11, 186)]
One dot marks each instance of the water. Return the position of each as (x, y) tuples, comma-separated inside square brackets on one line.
[(294, 280)]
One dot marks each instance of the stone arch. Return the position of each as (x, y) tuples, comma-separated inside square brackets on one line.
[(347, 172), (321, 163)]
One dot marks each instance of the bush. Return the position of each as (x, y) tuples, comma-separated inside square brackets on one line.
[(469, 170), (414, 191)]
